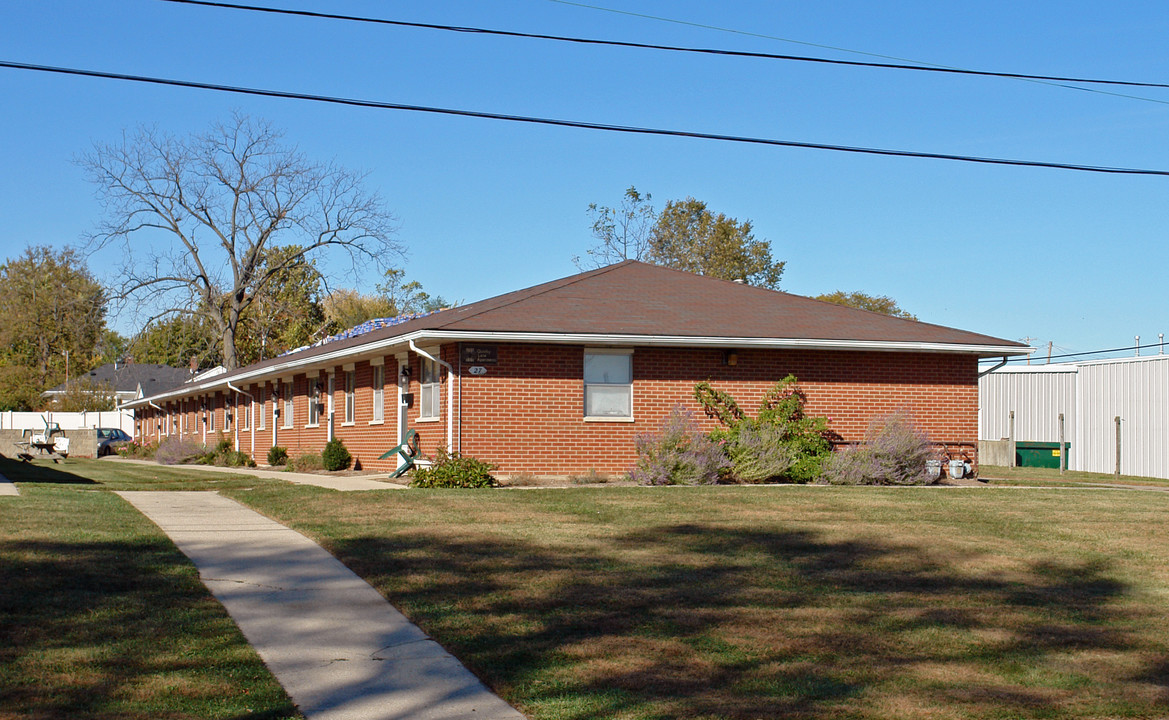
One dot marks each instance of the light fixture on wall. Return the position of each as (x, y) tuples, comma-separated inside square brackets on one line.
[(730, 357), (405, 372)]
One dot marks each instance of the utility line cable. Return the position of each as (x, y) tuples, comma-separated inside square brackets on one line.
[(1078, 354), (630, 129), (673, 48), (917, 64)]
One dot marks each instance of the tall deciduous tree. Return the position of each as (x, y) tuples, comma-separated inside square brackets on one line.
[(291, 314), (622, 233), (349, 308), (688, 236), (875, 303), (52, 317), (684, 235), (175, 341), (197, 218)]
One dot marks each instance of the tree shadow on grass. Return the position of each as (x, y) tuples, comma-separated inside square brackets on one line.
[(121, 629), (704, 621), (27, 472)]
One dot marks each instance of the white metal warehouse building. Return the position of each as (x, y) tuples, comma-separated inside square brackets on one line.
[(1091, 395)]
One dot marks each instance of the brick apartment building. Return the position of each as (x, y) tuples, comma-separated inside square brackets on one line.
[(558, 378)]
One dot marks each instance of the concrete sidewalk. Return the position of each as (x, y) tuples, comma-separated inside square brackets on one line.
[(340, 650), (7, 487), (344, 483)]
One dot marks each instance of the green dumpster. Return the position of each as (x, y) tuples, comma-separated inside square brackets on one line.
[(1040, 454)]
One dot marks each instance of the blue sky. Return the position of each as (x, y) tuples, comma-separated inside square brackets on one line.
[(486, 207)]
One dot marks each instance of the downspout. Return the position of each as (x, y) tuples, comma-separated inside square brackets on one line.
[(235, 425), (996, 367), (157, 426), (450, 393)]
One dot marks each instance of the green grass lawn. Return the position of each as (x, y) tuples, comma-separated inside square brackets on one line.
[(727, 602), (102, 617), (999, 475)]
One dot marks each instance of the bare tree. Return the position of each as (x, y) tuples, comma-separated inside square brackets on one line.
[(622, 233), (198, 216)]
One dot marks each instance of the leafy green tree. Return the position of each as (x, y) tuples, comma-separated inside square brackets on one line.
[(112, 348), (874, 303), (175, 341), (688, 236), (684, 235), (622, 233), (346, 308), (52, 317), (85, 395), (291, 314), (198, 216)]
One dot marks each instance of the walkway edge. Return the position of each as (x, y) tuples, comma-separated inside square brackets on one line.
[(340, 650)]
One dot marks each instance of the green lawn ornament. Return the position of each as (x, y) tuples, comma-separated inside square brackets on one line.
[(408, 449)]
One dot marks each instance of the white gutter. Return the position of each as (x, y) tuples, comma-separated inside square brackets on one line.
[(296, 363), (450, 394)]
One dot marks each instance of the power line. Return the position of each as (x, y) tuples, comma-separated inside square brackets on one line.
[(675, 48), (1079, 354), (630, 129), (918, 64)]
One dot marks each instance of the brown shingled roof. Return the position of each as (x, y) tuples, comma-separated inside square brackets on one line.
[(635, 298), (632, 300)]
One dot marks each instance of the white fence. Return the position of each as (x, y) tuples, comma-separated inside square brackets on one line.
[(123, 419), (1091, 396)]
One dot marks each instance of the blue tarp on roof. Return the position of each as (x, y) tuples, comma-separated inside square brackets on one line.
[(366, 327)]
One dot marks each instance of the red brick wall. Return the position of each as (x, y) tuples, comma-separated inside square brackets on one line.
[(501, 422), (527, 413)]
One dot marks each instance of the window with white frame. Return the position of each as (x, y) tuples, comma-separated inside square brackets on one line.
[(245, 412), (262, 403), (379, 393), (350, 396), (211, 413), (431, 390), (314, 402), (608, 384), (288, 405)]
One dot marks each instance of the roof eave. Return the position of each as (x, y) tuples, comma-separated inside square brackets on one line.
[(298, 364)]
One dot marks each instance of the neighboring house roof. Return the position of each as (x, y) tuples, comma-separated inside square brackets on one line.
[(636, 303), (129, 379)]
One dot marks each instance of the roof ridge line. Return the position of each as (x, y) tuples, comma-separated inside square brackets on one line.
[(561, 283)]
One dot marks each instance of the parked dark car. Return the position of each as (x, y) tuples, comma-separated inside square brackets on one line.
[(108, 437)]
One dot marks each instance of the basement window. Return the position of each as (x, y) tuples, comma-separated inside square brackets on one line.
[(608, 384)]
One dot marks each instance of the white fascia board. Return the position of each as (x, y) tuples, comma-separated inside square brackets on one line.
[(394, 344), (724, 342)]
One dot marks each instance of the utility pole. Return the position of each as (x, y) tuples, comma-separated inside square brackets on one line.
[(1048, 352), (1027, 341)]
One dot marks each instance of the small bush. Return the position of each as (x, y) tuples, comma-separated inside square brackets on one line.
[(336, 456), (678, 454), (592, 477), (759, 454), (452, 470), (277, 455), (523, 479), (894, 453), (306, 464), (236, 458), (175, 451), (224, 446), (137, 450), (782, 442)]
